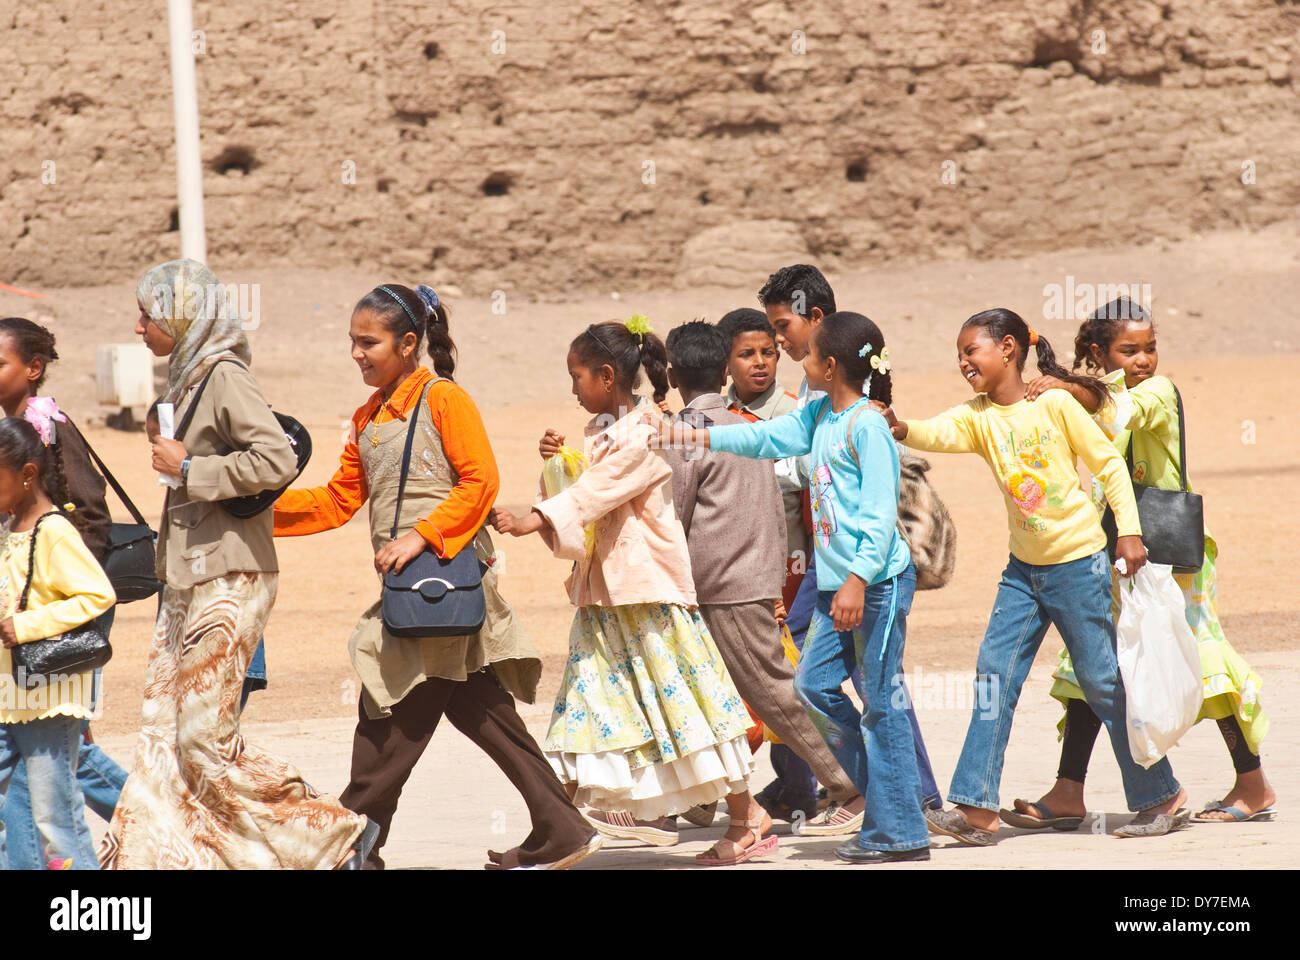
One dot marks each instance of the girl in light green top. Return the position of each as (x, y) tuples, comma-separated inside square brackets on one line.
[(1141, 414)]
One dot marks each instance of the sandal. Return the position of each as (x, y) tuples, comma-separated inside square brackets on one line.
[(1014, 818), (1149, 824), (1236, 813), (761, 846), (950, 823), (510, 859)]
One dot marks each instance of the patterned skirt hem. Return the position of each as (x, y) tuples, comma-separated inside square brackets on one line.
[(608, 782)]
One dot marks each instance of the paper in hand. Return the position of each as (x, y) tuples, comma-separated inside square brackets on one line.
[(167, 430)]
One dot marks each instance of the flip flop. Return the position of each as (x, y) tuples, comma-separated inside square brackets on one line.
[(1238, 815), (950, 823), (1147, 824), (1014, 818)]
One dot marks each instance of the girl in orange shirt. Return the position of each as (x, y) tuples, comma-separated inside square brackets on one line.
[(409, 684)]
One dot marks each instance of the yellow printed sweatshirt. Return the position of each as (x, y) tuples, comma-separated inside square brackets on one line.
[(69, 588), (1031, 448)]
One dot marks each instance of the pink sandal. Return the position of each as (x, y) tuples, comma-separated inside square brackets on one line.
[(762, 846)]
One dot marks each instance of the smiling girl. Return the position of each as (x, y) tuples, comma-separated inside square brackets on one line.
[(1058, 573), (1141, 416), (409, 684)]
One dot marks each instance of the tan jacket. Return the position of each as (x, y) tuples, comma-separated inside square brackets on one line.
[(639, 553), (236, 447)]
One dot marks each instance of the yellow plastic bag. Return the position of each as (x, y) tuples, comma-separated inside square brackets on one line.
[(559, 471), (558, 474), (791, 654)]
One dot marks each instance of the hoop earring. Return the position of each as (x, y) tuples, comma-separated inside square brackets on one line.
[(829, 376)]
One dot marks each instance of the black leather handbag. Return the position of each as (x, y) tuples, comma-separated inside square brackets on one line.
[(41, 662), (1173, 521), (432, 596), (252, 504), (129, 560)]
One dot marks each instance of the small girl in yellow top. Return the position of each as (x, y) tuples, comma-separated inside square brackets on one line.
[(42, 726), (1141, 415), (1058, 573)]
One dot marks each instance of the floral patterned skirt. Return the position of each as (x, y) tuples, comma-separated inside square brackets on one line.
[(1231, 687), (647, 719)]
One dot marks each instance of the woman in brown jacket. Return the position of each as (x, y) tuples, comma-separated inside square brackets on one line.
[(199, 797)]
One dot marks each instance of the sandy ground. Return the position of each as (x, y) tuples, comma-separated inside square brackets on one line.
[(1225, 308)]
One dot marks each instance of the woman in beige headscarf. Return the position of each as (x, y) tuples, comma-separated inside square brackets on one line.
[(199, 796)]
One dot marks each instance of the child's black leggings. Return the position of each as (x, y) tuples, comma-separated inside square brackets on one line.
[(1082, 726)]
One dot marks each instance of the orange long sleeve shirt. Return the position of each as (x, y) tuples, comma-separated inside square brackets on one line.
[(453, 523)]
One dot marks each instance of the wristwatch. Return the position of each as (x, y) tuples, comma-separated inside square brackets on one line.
[(185, 469)]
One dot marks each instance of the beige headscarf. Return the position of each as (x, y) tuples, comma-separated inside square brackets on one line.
[(187, 301)]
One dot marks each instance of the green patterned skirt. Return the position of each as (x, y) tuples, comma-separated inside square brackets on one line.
[(647, 718)]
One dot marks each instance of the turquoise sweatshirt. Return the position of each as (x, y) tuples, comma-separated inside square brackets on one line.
[(855, 508)]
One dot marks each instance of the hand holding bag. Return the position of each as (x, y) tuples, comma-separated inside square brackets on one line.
[(75, 651), (432, 596), (1159, 662), (1173, 521)]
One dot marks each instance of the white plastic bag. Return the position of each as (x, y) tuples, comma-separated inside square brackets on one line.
[(1159, 662)]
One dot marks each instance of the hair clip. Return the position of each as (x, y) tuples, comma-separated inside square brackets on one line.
[(425, 293), (638, 324), (880, 361), (866, 349)]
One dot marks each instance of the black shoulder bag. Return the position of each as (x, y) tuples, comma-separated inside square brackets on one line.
[(75, 651), (432, 596), (129, 557), (299, 439), (1173, 521)]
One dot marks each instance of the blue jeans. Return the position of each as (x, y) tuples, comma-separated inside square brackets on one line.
[(1075, 597), (876, 747), (794, 781), (49, 749), (255, 679), (795, 785), (100, 779)]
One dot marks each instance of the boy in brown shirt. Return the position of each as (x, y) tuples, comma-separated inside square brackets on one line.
[(735, 527)]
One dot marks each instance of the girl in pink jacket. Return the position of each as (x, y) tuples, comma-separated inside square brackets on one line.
[(647, 722)]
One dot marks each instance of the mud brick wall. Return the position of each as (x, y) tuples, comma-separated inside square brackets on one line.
[(539, 147)]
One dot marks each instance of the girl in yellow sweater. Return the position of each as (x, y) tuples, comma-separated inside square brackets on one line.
[(47, 587), (1058, 574)]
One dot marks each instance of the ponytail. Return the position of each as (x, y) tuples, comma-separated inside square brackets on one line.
[(442, 350), (1000, 323), (55, 479), (654, 361)]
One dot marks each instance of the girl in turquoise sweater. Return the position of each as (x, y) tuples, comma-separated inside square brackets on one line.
[(865, 577)]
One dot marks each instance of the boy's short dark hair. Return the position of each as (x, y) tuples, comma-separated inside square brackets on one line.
[(698, 354), (744, 320), (802, 286)]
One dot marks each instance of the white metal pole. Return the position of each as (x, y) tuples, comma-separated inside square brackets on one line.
[(185, 104)]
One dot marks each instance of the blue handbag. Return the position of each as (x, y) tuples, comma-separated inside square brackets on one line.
[(432, 596)]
